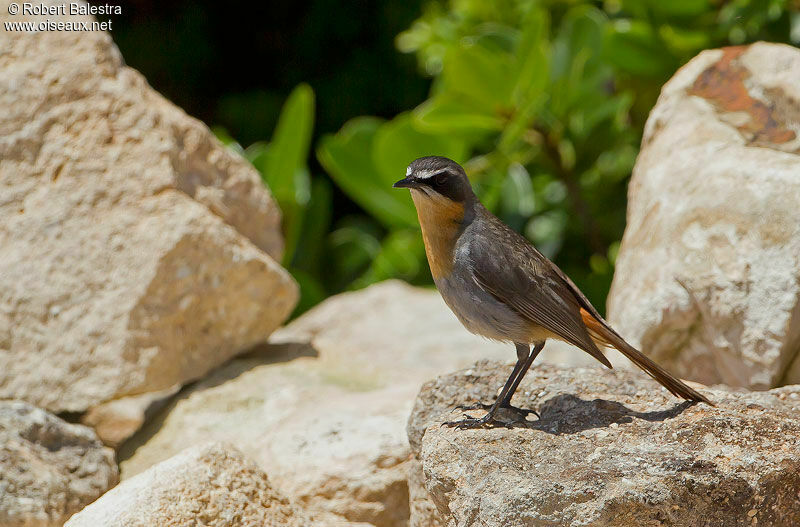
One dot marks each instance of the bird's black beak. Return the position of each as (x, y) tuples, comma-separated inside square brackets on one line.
[(407, 182)]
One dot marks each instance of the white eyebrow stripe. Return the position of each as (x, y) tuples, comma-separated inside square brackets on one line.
[(425, 174), (408, 171)]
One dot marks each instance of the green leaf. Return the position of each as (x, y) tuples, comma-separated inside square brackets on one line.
[(258, 154), (282, 162), (316, 223), (289, 148), (531, 80), (684, 41), (353, 245), (580, 33), (518, 201), (346, 156), (487, 174), (226, 139), (484, 77), (445, 114), (635, 48), (546, 231), (679, 8), (576, 68), (398, 143), (402, 255), (532, 71), (605, 109), (599, 264)]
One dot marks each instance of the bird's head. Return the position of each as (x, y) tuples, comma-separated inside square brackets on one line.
[(437, 180)]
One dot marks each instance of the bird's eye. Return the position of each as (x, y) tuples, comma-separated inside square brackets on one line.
[(440, 178)]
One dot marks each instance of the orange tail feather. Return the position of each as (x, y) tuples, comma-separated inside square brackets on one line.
[(604, 336)]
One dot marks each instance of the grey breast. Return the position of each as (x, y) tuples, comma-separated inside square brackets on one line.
[(480, 312)]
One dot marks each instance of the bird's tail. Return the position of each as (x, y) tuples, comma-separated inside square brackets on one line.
[(603, 335)]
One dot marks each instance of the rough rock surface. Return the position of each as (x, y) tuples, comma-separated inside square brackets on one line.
[(49, 469), (212, 485), (612, 448), (423, 511), (323, 408), (708, 275), (136, 248)]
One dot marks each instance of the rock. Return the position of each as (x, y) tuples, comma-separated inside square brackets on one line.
[(137, 250), (423, 511), (707, 279), (323, 408), (118, 419), (612, 448), (49, 469), (212, 485)]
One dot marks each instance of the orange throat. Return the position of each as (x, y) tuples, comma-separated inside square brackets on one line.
[(441, 220)]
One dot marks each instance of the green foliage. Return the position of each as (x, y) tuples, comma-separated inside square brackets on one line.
[(543, 101), (282, 162), (365, 158), (306, 206)]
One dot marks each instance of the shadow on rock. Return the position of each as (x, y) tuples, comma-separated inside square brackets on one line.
[(568, 414), (259, 355)]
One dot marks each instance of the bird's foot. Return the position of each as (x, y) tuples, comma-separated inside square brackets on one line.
[(506, 416), (470, 422), (512, 409)]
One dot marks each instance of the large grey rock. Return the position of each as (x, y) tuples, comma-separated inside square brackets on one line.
[(212, 485), (708, 275), (323, 408), (137, 252), (49, 469), (612, 448)]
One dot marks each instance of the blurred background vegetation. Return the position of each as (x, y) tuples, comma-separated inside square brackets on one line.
[(543, 101)]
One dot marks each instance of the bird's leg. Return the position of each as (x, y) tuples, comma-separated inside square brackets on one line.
[(525, 366), (520, 368), (524, 361), (470, 422)]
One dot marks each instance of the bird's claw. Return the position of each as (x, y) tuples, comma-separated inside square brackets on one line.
[(470, 422)]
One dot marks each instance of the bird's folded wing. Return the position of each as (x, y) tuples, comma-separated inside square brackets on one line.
[(526, 282)]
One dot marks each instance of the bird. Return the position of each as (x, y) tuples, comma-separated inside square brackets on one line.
[(501, 287)]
